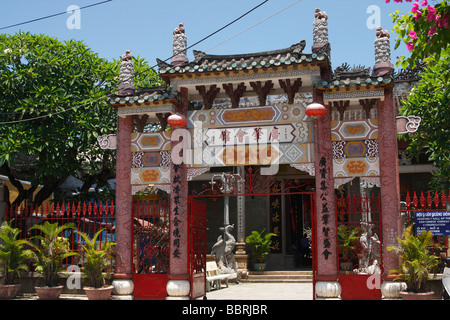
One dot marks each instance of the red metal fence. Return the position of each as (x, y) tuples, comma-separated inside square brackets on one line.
[(87, 217), (359, 233)]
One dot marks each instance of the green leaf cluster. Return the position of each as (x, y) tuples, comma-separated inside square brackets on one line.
[(416, 259), (51, 249), (14, 255), (348, 239), (97, 257), (260, 242)]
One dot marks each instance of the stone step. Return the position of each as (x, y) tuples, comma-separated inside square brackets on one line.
[(279, 276)]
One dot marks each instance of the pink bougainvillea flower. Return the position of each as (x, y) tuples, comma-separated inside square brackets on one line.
[(432, 31), (412, 34), (424, 3), (444, 21), (431, 17), (415, 8), (418, 16), (410, 46)]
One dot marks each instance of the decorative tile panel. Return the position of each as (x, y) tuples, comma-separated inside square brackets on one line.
[(148, 175), (152, 141), (253, 115), (356, 167), (284, 153), (354, 130)]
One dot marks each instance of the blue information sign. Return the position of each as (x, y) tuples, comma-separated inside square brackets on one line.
[(438, 222)]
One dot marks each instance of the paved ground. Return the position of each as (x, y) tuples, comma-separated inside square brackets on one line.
[(263, 291), (241, 291)]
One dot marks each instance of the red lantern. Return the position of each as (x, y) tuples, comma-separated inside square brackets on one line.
[(177, 120), (315, 110)]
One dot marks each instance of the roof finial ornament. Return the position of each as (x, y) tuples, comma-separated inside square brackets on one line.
[(126, 76), (382, 34), (320, 30), (320, 14), (179, 46), (383, 63)]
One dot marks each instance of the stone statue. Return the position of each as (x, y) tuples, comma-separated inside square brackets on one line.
[(371, 249), (223, 250)]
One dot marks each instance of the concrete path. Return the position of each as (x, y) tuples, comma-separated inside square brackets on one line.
[(263, 291)]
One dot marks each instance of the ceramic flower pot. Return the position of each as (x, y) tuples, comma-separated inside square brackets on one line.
[(259, 266), (416, 296), (103, 293), (9, 291), (49, 293)]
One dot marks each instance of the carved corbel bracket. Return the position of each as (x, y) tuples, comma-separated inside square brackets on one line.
[(367, 105), (162, 117), (208, 95), (341, 106), (290, 89), (140, 121), (262, 90), (235, 95)]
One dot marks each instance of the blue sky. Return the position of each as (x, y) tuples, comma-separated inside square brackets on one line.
[(145, 26)]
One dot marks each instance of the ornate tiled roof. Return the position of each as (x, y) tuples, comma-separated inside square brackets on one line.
[(344, 76), (143, 95), (215, 63)]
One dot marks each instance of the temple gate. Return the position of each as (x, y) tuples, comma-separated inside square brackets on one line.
[(257, 110)]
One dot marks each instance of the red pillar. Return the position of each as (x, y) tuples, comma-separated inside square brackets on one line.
[(178, 286), (390, 180), (123, 214), (326, 240)]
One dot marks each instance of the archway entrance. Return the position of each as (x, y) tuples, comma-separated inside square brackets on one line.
[(283, 207)]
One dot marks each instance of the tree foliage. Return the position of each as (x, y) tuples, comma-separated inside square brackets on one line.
[(53, 108), (430, 100), (426, 32)]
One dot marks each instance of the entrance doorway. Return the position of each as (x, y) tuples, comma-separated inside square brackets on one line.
[(298, 230), (285, 208)]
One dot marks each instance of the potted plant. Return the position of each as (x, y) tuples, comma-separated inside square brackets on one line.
[(51, 249), (416, 263), (13, 260), (348, 240), (96, 260), (259, 243)]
